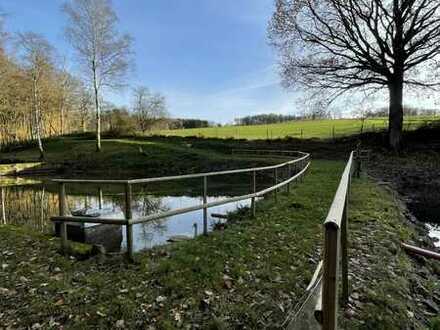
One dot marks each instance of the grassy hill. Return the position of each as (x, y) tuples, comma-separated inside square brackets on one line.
[(323, 129)]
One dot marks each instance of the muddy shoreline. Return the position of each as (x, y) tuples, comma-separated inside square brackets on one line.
[(415, 177)]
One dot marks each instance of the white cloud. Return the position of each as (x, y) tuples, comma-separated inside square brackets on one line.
[(257, 92)]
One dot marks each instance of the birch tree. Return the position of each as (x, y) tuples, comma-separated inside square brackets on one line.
[(37, 57), (335, 46), (102, 52)]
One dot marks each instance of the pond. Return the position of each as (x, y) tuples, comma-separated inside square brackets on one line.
[(31, 203), (428, 211)]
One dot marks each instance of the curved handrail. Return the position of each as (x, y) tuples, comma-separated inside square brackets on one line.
[(128, 221), (187, 176), (205, 205), (218, 203)]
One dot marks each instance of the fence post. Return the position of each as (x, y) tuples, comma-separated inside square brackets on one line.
[(358, 163), (205, 210), (289, 174), (330, 276), (100, 197), (254, 190), (3, 205), (276, 182), (62, 212), (128, 217), (344, 253)]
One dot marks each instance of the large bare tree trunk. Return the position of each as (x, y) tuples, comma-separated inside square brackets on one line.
[(98, 111), (395, 122)]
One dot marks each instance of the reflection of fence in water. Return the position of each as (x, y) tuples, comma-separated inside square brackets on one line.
[(296, 168)]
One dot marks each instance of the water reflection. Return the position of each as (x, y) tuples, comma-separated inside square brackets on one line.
[(434, 232), (32, 203)]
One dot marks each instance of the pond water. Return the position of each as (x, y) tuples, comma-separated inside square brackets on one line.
[(31, 203), (427, 210), (434, 232)]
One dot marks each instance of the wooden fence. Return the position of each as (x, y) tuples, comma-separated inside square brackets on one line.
[(335, 254), (296, 169)]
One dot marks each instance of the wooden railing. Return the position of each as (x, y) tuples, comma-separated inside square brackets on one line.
[(296, 169), (336, 252)]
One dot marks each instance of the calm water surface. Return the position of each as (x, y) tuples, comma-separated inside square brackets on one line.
[(31, 203)]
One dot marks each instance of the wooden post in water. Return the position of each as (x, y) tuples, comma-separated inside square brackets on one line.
[(62, 212), (195, 229), (100, 198), (128, 217), (2, 191), (205, 210), (254, 190)]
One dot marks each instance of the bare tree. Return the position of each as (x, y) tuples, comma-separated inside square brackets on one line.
[(158, 106), (103, 53), (148, 108), (141, 100), (37, 56), (339, 45), (65, 81)]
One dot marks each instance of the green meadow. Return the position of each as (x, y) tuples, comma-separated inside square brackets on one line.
[(322, 129)]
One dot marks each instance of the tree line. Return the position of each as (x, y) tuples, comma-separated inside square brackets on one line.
[(273, 118), (41, 98)]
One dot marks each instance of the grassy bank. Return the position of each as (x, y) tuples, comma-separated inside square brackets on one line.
[(247, 276), (131, 157), (390, 290), (301, 129)]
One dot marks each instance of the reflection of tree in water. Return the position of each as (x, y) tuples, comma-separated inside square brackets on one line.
[(146, 205), (29, 205)]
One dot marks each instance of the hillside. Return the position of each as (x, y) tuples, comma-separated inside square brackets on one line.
[(323, 129)]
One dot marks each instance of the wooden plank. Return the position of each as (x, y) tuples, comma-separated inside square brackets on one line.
[(318, 307), (128, 217), (108, 221), (316, 273), (423, 252), (205, 209), (62, 212), (254, 190), (2, 191), (344, 255), (216, 203), (336, 211), (330, 277), (219, 216)]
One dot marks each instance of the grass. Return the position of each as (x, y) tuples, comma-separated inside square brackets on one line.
[(131, 158), (247, 276), (268, 262), (385, 276), (322, 129)]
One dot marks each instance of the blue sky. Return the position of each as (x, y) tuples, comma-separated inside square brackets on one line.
[(210, 58)]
